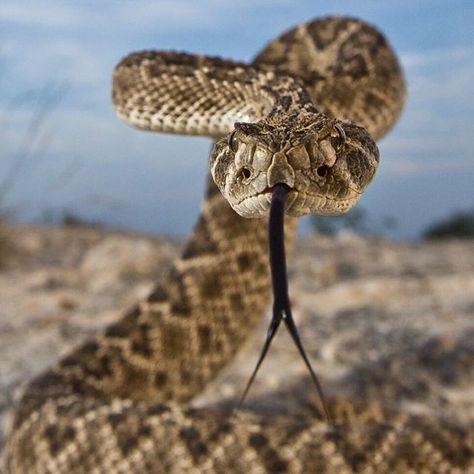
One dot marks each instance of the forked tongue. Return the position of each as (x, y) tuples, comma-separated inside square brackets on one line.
[(281, 300)]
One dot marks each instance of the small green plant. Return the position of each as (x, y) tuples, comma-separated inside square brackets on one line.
[(459, 225)]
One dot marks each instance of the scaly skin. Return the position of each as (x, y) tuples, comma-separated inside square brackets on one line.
[(119, 402)]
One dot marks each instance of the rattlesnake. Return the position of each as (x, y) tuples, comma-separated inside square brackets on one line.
[(120, 402)]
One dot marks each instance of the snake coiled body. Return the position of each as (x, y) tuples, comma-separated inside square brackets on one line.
[(120, 402)]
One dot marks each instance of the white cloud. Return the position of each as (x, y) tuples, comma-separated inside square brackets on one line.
[(203, 14), (165, 15), (419, 59), (434, 131), (402, 167), (444, 73), (51, 60), (47, 14), (419, 138)]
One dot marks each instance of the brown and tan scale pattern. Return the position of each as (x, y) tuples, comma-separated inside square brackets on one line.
[(120, 403)]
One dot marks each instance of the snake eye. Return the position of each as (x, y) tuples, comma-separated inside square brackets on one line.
[(338, 138), (322, 171), (233, 142)]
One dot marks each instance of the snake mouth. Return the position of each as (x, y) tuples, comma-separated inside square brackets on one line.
[(258, 205), (298, 203), (270, 189), (267, 193)]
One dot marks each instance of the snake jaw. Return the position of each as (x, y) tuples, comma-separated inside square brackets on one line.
[(298, 203)]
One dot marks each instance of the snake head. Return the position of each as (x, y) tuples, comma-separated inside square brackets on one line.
[(326, 163)]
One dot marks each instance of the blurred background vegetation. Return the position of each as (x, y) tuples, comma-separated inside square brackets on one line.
[(459, 225)]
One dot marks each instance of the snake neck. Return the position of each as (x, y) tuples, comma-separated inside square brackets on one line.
[(290, 99), (170, 345)]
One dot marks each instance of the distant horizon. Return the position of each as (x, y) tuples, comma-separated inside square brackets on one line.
[(85, 161), (377, 229)]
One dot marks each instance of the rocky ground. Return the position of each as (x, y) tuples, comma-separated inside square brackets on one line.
[(386, 321)]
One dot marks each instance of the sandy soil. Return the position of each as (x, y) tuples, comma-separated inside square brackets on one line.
[(385, 321)]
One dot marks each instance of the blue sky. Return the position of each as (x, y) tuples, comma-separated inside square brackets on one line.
[(86, 161)]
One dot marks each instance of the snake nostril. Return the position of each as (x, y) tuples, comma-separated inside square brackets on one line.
[(322, 171), (246, 173)]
